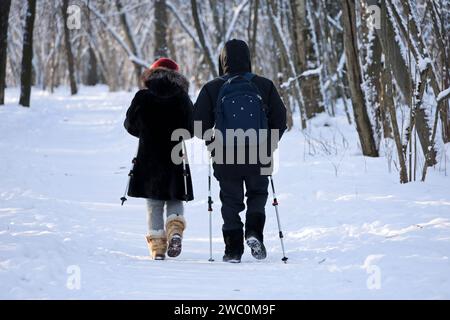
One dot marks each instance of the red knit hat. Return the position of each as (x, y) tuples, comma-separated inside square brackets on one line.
[(165, 63)]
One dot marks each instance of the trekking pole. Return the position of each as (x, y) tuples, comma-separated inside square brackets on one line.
[(280, 233), (210, 209), (130, 174), (185, 173)]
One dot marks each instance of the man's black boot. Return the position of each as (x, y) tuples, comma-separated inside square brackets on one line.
[(254, 226), (234, 245)]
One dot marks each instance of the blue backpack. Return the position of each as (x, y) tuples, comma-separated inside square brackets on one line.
[(240, 106)]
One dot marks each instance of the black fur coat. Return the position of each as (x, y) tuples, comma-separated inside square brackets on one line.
[(154, 114)]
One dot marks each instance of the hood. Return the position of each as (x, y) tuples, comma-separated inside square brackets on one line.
[(163, 82), (235, 58)]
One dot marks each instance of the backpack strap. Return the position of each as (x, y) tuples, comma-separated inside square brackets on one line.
[(247, 76)]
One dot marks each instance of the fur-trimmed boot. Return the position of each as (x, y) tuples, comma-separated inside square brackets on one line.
[(175, 226), (157, 244)]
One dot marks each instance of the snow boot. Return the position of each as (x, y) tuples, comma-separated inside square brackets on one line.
[(254, 226), (232, 258), (157, 244), (257, 247), (175, 226), (234, 245)]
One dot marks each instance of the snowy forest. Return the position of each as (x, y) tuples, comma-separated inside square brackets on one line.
[(363, 177), (386, 60)]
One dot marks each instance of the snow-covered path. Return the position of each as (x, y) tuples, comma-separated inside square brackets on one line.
[(63, 167)]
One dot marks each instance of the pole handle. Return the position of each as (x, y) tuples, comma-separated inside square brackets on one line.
[(130, 174)]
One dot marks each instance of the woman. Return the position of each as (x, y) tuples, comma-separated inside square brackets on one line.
[(155, 112)]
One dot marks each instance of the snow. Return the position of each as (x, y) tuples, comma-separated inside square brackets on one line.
[(335, 23), (443, 94), (423, 63), (305, 74), (351, 230)]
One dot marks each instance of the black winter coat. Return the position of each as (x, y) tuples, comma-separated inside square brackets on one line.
[(235, 59), (152, 117)]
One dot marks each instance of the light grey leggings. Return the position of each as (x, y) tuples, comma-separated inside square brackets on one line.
[(155, 212)]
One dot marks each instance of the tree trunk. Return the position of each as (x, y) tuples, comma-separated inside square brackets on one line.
[(385, 103), (129, 38), (445, 119), (392, 52), (284, 92), (4, 15), (92, 76), (201, 38), (432, 139), (161, 49), (444, 15), (389, 102), (305, 58), (26, 75), (373, 76), (289, 65), (419, 117), (421, 120), (171, 44), (395, 62), (254, 32), (68, 45), (363, 125), (219, 33)]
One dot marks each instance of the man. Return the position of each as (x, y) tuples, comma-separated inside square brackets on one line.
[(234, 61)]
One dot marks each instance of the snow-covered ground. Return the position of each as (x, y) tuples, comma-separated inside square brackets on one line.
[(352, 231)]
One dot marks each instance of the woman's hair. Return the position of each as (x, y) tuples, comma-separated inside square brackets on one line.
[(167, 76), (145, 77)]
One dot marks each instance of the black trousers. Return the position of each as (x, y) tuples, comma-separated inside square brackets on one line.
[(232, 197)]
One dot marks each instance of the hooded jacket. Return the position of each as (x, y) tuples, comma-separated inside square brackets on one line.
[(154, 114), (235, 59)]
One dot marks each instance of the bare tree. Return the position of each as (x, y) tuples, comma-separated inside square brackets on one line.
[(389, 102), (253, 29), (4, 15), (68, 45), (305, 58), (129, 38), (363, 125), (201, 37), (160, 11), (216, 19), (288, 61), (372, 64), (26, 75)]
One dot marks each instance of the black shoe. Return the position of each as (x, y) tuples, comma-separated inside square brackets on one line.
[(254, 226), (234, 245), (174, 248), (258, 249), (232, 258)]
